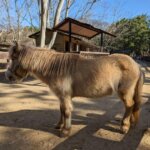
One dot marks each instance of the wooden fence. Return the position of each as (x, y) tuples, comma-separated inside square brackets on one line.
[(93, 54), (4, 51), (4, 47)]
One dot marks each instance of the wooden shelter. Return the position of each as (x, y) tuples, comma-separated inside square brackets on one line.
[(62, 42), (77, 28), (70, 36)]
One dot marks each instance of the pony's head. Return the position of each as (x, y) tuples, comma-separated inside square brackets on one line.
[(15, 71)]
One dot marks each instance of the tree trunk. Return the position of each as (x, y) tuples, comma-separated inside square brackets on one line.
[(44, 9), (48, 13), (18, 20), (67, 8), (6, 4), (56, 21)]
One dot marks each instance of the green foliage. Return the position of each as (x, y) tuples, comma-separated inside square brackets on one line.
[(133, 34), (31, 28)]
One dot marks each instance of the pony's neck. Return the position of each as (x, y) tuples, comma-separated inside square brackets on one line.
[(31, 60), (46, 63)]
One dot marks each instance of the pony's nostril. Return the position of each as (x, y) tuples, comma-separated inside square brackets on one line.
[(10, 78)]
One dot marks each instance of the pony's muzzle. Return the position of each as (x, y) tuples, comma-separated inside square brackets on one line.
[(9, 76)]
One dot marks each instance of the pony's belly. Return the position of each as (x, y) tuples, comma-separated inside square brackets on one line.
[(93, 93)]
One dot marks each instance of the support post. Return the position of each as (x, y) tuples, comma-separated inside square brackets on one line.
[(101, 42), (77, 47), (101, 39), (70, 31)]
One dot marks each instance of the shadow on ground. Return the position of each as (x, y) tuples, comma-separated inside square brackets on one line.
[(44, 120)]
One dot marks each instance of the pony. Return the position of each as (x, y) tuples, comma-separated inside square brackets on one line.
[(69, 75)]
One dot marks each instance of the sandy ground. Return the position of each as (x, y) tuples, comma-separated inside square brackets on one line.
[(29, 112)]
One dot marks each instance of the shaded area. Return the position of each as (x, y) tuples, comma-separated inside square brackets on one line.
[(32, 119), (44, 120)]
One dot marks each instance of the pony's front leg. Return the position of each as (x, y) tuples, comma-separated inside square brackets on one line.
[(67, 107), (60, 124)]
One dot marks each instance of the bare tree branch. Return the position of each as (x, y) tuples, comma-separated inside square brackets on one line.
[(28, 6), (6, 4), (88, 7), (56, 21)]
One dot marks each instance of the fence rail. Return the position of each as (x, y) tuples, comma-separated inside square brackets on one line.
[(4, 47), (93, 54)]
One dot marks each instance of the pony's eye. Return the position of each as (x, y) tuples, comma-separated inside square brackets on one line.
[(13, 59)]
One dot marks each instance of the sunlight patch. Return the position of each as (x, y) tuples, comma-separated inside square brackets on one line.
[(145, 142), (109, 135)]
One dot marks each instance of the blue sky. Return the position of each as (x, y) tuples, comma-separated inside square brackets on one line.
[(137, 7), (105, 10), (130, 8), (113, 10), (127, 8)]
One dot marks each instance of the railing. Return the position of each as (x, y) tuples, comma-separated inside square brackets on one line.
[(93, 54), (4, 52), (4, 47)]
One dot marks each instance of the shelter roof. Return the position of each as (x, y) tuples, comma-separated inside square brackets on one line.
[(80, 29), (34, 35)]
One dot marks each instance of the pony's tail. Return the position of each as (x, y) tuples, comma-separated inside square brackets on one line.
[(137, 97)]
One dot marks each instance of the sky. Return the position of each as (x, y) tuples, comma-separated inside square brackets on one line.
[(131, 8), (113, 10), (127, 8), (108, 11)]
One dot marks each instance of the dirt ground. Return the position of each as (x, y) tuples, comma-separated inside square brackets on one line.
[(29, 112)]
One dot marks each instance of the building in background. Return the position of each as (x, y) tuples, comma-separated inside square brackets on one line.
[(62, 42)]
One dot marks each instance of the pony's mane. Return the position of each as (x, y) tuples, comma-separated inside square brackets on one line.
[(47, 62)]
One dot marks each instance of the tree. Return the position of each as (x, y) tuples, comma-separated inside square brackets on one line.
[(56, 21), (69, 3), (15, 15), (44, 11), (6, 4), (131, 34), (57, 10)]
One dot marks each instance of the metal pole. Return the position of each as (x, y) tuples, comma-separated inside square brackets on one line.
[(101, 44), (101, 39), (70, 31)]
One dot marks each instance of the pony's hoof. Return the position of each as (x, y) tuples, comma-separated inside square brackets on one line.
[(65, 132), (125, 129)]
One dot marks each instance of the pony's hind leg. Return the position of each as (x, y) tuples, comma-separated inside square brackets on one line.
[(129, 104), (136, 111), (137, 99), (67, 107)]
